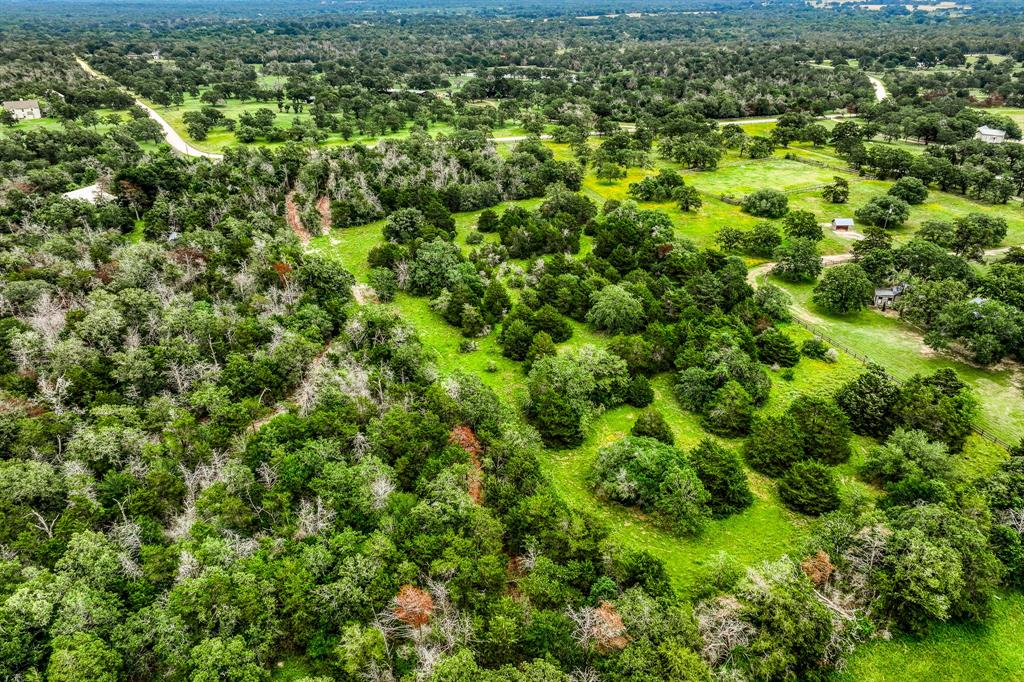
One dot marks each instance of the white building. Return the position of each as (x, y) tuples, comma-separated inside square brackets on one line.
[(991, 135), (24, 109)]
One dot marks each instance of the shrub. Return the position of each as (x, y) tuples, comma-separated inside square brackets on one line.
[(639, 392), (814, 348), (488, 221), (474, 238), (766, 203), (651, 423), (515, 339), (776, 348), (384, 283), (809, 487), (774, 444), (730, 411), (869, 402), (541, 346), (656, 478), (721, 472)]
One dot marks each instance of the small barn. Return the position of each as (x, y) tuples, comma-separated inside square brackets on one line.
[(842, 224), (990, 135), (24, 109), (886, 296)]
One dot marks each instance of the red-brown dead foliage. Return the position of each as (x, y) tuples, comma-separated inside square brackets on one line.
[(186, 254), (664, 250), (465, 438), (413, 606), (105, 272), (282, 270), (609, 631), (818, 568)]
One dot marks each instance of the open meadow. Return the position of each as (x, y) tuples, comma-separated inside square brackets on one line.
[(767, 529)]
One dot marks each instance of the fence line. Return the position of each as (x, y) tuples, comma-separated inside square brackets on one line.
[(981, 431)]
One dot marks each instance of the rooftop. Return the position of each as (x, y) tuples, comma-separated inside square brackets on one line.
[(21, 104), (985, 130)]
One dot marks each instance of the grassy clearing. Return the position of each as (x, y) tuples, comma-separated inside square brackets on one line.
[(219, 138), (751, 175), (952, 651), (1015, 113), (47, 123), (766, 530), (900, 348), (763, 532)]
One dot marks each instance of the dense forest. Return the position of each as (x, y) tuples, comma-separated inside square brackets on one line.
[(224, 456)]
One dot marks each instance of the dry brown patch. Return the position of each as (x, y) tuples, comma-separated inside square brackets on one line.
[(818, 568), (291, 214), (609, 631), (413, 606), (323, 205), (465, 438)]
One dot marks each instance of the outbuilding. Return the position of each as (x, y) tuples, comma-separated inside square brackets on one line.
[(842, 224), (24, 109), (886, 296), (991, 135)]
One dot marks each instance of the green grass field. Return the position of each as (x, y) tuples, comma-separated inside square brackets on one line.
[(900, 348), (1015, 113), (48, 123), (952, 651), (766, 530), (219, 139)]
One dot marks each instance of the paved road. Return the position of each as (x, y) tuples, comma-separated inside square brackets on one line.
[(880, 91), (173, 138)]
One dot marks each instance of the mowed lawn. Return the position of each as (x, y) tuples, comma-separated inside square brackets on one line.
[(950, 652), (749, 175), (901, 349)]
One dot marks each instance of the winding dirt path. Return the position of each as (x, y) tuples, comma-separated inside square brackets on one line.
[(291, 215)]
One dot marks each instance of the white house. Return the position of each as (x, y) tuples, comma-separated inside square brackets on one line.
[(991, 135), (24, 109)]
